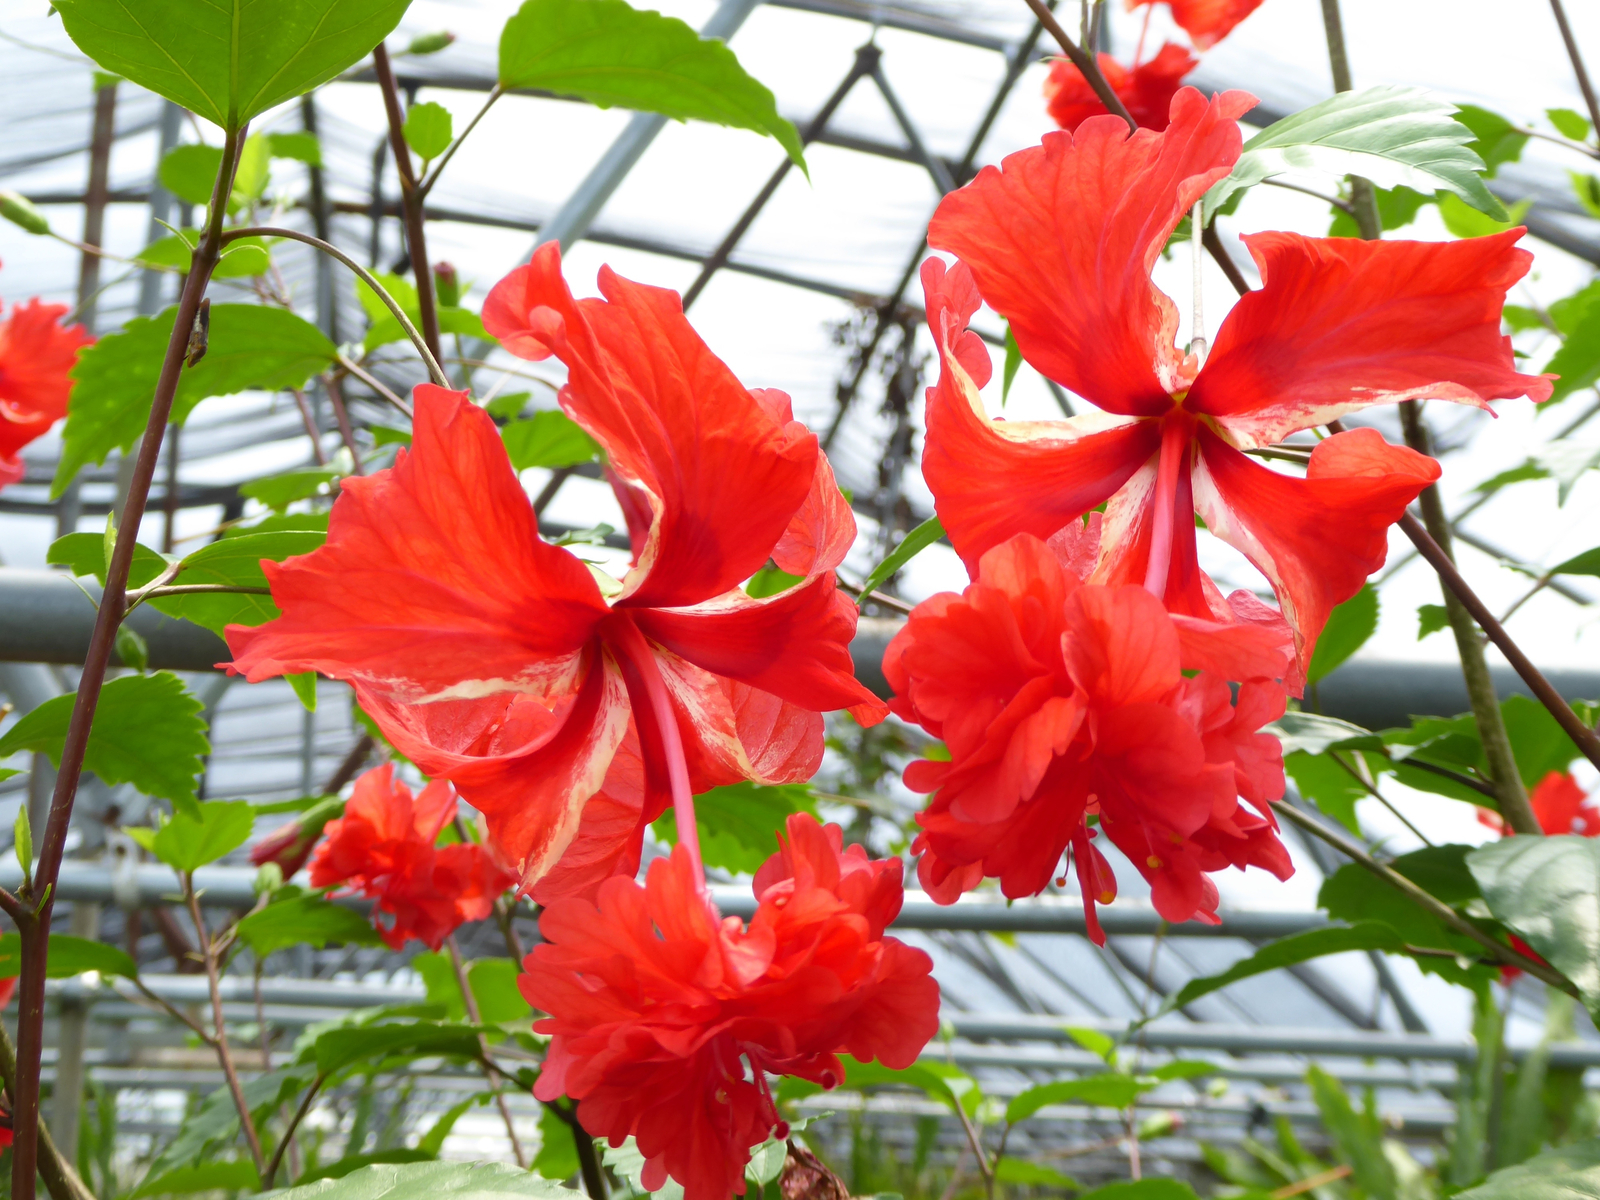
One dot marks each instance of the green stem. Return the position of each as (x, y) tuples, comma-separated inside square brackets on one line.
[(34, 927)]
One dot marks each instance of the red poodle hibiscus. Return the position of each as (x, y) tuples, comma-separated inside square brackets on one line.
[(1062, 701), (666, 1020), (1061, 242), (36, 354), (384, 847), (513, 668), (1145, 89)]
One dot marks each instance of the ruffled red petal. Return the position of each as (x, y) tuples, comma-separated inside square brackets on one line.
[(1340, 324), (1146, 90), (1062, 238), (1206, 22)]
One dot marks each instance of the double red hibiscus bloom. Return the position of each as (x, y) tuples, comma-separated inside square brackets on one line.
[(665, 1020), (514, 668), (36, 354), (1061, 701), (385, 847)]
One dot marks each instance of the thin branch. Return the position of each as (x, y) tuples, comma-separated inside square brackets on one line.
[(1343, 205), (891, 602), (177, 1014), (435, 372), (1578, 69), (342, 415), (310, 423), (220, 1042), (372, 382), (1086, 65), (1500, 952), (496, 1080), (1379, 797), (288, 1133), (1212, 241), (426, 186), (1581, 734), (1567, 143)]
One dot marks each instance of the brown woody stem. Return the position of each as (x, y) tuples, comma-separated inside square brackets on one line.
[(219, 1041), (1085, 63), (34, 926)]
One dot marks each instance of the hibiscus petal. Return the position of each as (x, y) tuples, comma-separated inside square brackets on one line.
[(1315, 539), (795, 645), (610, 833), (993, 479), (36, 353), (529, 775), (1207, 22), (823, 529), (433, 581), (1121, 648), (1339, 324), (723, 476), (1062, 238)]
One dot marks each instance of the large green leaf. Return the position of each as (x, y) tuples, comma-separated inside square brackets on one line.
[(548, 439), (216, 1124), (228, 1175), (85, 554), (1287, 951), (147, 731), (432, 1181), (227, 60), (354, 1162), (1565, 1173), (234, 561), (1113, 1089), (1358, 1136), (200, 834), (558, 1149), (1578, 359), (1142, 1189), (68, 956), (1332, 788), (1348, 628), (1394, 136), (340, 1048), (314, 920), (609, 53), (250, 346), (740, 823), (1547, 889), (1313, 733)]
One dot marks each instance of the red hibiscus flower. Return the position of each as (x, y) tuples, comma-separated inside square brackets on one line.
[(384, 847), (1145, 89), (1206, 22), (667, 1019), (1062, 701), (1061, 242), (506, 664), (1561, 805), (291, 844), (36, 352)]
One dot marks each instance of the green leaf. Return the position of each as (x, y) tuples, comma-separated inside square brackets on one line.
[(1110, 1090), (508, 406), (432, 1181), (429, 130), (1587, 563), (19, 210), (1013, 364), (1467, 222), (354, 1162), (254, 170), (251, 346), (1493, 138), (1568, 123), (198, 836), (1349, 626), (1538, 742), (238, 1175), (1313, 733), (1184, 1068), (243, 258), (69, 956), (1547, 889), (22, 840), (189, 172), (433, 1140), (85, 554), (609, 53), (1287, 951), (216, 1123), (918, 540), (548, 439), (1334, 791), (558, 1149), (1143, 1189), (386, 328), (740, 823), (400, 289), (227, 61), (1031, 1174), (1431, 618), (494, 986), (1093, 1041), (1578, 359), (234, 562), (1394, 136), (277, 492), (147, 731), (1358, 1136), (313, 920), (769, 581), (1565, 1173), (1355, 895), (302, 147), (304, 684), (627, 1163), (933, 1083), (340, 1048), (1587, 189)]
